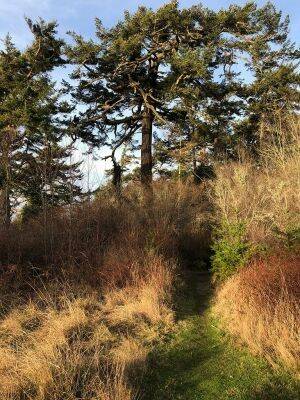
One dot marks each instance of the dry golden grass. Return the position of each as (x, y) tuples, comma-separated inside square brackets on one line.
[(260, 306), (83, 345), (264, 196), (84, 298), (261, 303)]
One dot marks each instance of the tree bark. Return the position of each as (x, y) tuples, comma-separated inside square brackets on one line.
[(7, 206), (146, 148), (117, 178), (6, 190)]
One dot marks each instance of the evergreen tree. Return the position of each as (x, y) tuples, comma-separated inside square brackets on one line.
[(27, 109), (51, 180), (223, 110), (48, 177), (273, 60), (130, 79)]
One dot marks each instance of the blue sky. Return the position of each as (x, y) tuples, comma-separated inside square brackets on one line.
[(79, 15)]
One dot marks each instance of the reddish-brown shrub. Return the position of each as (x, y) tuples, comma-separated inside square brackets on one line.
[(261, 306), (269, 279)]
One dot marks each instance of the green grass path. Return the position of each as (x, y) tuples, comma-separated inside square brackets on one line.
[(198, 362)]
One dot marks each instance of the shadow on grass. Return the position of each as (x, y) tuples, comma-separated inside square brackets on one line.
[(279, 388), (199, 363), (194, 295)]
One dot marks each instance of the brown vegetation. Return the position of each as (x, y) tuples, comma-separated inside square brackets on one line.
[(105, 229), (264, 193), (67, 343), (84, 298), (260, 305)]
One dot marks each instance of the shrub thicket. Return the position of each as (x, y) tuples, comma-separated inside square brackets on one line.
[(259, 240), (257, 202)]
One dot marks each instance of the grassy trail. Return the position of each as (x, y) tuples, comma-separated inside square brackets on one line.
[(197, 362)]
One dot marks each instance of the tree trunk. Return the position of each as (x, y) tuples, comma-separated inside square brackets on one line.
[(7, 206), (6, 190), (117, 178), (196, 179), (146, 148)]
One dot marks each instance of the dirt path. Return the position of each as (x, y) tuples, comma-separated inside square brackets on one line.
[(198, 362)]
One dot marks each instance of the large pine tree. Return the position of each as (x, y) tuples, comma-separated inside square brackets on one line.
[(225, 109), (130, 79)]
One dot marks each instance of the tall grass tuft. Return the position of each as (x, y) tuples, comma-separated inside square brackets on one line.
[(260, 306), (258, 201)]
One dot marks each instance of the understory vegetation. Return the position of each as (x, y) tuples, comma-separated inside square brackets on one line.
[(85, 298)]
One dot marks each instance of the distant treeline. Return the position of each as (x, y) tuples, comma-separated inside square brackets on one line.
[(207, 81)]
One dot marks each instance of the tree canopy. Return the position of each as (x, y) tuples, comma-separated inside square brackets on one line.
[(189, 84)]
